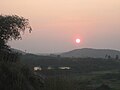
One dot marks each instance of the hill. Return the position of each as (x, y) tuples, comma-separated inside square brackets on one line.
[(17, 51), (93, 53)]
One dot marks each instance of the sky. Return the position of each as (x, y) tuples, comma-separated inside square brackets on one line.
[(57, 23)]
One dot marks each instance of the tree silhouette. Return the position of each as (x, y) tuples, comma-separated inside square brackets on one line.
[(109, 57), (13, 74), (103, 87), (117, 57), (11, 27)]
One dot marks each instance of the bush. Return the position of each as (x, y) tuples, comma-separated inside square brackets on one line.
[(16, 76)]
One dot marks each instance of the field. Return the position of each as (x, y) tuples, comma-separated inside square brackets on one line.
[(83, 74)]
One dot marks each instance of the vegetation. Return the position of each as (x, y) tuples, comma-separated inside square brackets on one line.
[(85, 73), (11, 28), (13, 74)]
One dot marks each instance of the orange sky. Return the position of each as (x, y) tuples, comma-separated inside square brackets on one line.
[(56, 22)]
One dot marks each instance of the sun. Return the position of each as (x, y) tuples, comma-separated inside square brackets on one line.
[(78, 40)]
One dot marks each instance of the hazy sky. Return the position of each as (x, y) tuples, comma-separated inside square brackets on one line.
[(57, 23)]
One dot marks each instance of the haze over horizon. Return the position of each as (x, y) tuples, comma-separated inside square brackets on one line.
[(57, 23)]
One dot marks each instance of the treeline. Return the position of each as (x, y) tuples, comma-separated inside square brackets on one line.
[(81, 65)]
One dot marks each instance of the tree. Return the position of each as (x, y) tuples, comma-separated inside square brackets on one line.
[(117, 57), (11, 27), (14, 75), (109, 57), (103, 87)]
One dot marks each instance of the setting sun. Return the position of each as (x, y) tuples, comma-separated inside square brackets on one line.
[(78, 40)]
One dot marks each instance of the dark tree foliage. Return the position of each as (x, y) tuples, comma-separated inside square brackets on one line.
[(103, 87), (18, 77), (11, 28), (117, 57), (14, 75)]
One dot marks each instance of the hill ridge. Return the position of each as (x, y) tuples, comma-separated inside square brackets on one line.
[(90, 52)]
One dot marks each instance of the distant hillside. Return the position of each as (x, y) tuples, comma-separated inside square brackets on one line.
[(94, 53), (17, 51)]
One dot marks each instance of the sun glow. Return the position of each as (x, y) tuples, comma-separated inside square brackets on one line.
[(78, 40)]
